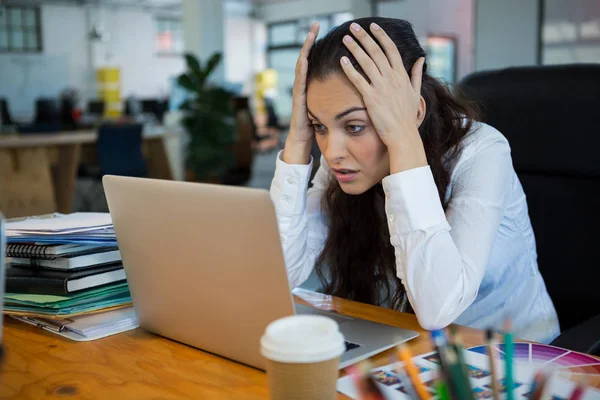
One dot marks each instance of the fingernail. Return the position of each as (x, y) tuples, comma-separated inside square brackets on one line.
[(355, 27), (375, 27), (345, 60), (347, 39)]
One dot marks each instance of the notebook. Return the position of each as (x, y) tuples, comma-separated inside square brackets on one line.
[(35, 250), (72, 261), (2, 246), (88, 327), (42, 281)]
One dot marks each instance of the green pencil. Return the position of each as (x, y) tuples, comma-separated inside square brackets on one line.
[(442, 390), (508, 361), (455, 375)]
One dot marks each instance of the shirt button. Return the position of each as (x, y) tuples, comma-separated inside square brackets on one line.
[(282, 239), (387, 194), (391, 217), (291, 180), (286, 200)]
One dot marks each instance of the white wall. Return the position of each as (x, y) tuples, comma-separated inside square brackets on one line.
[(65, 60), (309, 8), (440, 17), (132, 45), (506, 33)]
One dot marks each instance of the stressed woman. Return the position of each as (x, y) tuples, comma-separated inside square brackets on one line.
[(416, 205)]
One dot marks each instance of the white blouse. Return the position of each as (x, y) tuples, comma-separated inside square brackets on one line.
[(474, 264)]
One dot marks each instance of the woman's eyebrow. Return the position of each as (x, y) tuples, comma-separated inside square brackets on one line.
[(340, 115)]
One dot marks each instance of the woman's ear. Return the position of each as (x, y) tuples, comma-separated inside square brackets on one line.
[(421, 112)]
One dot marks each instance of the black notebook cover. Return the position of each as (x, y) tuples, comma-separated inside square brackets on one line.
[(52, 282)]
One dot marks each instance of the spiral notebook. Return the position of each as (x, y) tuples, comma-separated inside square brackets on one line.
[(34, 250)]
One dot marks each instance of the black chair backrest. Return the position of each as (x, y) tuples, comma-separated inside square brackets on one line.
[(548, 115), (47, 111), (119, 150), (6, 118), (95, 107)]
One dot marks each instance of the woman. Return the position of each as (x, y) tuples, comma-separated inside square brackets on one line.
[(416, 206)]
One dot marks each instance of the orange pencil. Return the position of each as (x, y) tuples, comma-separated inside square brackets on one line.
[(413, 375)]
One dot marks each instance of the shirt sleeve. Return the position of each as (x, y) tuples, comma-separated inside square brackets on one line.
[(301, 226), (441, 257)]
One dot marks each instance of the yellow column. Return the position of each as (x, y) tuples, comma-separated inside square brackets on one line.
[(108, 81)]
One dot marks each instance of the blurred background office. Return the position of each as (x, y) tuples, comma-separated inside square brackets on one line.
[(89, 87)]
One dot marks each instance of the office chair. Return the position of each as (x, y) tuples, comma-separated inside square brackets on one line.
[(95, 107), (548, 115), (47, 111), (119, 150), (156, 107), (6, 118)]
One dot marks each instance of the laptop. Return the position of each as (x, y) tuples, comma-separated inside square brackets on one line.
[(205, 268)]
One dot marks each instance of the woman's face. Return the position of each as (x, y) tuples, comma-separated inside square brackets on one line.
[(347, 139)]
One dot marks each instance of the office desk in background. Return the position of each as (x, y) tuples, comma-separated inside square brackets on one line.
[(38, 172), (138, 364)]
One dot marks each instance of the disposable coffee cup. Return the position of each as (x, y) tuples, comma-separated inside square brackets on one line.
[(303, 355)]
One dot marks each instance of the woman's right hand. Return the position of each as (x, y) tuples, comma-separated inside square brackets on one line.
[(299, 141)]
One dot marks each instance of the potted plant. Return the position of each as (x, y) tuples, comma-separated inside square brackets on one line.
[(209, 120)]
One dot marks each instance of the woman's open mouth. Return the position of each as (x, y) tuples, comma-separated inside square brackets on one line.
[(345, 175)]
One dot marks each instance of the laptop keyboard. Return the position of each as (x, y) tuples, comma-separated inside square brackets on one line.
[(350, 345)]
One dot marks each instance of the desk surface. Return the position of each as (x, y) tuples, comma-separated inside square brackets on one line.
[(138, 364), (66, 138)]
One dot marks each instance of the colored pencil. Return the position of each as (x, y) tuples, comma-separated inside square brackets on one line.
[(508, 361), (464, 370), (491, 350), (459, 390), (577, 392), (405, 355)]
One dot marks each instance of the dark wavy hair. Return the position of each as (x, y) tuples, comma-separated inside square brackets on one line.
[(358, 261)]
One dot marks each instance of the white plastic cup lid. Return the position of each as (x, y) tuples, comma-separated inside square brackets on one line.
[(302, 339)]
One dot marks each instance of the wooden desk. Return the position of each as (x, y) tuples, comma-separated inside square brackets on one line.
[(141, 365), (38, 172)]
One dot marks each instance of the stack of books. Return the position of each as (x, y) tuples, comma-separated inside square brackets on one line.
[(62, 269)]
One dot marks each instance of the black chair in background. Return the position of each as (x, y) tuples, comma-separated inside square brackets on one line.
[(548, 114), (47, 111), (96, 108), (4, 112), (156, 107), (119, 150)]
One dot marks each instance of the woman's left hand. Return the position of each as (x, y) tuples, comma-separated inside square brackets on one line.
[(392, 98)]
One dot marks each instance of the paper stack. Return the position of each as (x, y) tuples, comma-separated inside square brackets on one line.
[(76, 228), (64, 270), (88, 327)]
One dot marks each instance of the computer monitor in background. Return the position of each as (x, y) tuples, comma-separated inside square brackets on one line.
[(95, 107), (2, 259)]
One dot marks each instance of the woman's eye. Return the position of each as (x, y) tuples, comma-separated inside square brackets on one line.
[(319, 127), (355, 128)]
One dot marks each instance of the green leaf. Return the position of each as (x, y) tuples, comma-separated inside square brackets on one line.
[(212, 63), (187, 82), (192, 62)]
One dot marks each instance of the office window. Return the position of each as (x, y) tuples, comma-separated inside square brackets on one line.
[(20, 29), (570, 32), (169, 36), (283, 45)]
